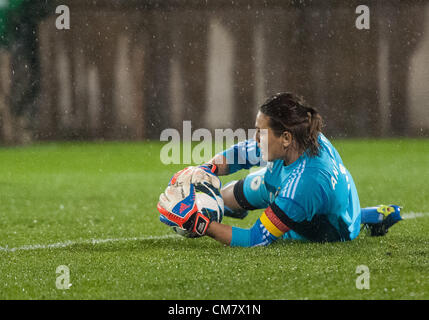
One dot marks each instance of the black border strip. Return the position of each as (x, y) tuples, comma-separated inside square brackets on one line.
[(240, 197)]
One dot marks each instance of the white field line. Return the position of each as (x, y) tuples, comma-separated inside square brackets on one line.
[(68, 243)]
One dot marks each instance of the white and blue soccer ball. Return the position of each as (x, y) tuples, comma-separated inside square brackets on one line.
[(209, 202)]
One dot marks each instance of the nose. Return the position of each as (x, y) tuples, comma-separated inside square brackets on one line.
[(257, 137)]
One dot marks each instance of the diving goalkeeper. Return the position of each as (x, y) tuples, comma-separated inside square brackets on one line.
[(303, 185)]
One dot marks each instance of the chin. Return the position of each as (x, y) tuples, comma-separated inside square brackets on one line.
[(265, 158)]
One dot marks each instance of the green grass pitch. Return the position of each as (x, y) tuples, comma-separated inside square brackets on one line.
[(92, 208)]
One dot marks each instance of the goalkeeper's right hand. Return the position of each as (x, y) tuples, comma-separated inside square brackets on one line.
[(178, 209), (200, 174)]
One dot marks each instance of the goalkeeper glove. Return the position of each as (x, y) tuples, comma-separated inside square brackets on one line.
[(178, 208), (201, 174)]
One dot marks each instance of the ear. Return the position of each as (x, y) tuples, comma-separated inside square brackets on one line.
[(286, 139)]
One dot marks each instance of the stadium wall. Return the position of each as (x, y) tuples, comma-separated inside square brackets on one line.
[(129, 69)]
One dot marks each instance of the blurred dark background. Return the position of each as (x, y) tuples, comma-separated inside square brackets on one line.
[(126, 70)]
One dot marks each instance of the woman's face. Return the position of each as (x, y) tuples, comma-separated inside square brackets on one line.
[(272, 147)]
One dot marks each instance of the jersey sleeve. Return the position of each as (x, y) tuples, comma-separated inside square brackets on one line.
[(267, 229), (243, 155), (257, 235)]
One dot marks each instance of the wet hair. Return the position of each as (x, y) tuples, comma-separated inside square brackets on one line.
[(289, 112)]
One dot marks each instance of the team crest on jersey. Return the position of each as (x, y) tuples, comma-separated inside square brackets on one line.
[(256, 183)]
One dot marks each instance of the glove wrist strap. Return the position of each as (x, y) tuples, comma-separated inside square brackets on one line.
[(213, 168), (201, 224)]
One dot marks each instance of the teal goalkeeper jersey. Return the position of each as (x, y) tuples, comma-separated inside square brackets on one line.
[(314, 196)]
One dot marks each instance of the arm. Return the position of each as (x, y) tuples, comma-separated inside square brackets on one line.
[(265, 230), (220, 232), (219, 161), (242, 155)]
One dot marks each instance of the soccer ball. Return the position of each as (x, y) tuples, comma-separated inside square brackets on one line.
[(209, 202)]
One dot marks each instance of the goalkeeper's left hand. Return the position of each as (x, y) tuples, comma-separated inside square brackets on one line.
[(178, 208)]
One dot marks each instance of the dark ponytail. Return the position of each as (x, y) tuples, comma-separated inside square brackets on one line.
[(289, 112), (314, 128)]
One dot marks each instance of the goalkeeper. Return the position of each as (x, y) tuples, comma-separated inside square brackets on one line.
[(303, 185)]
